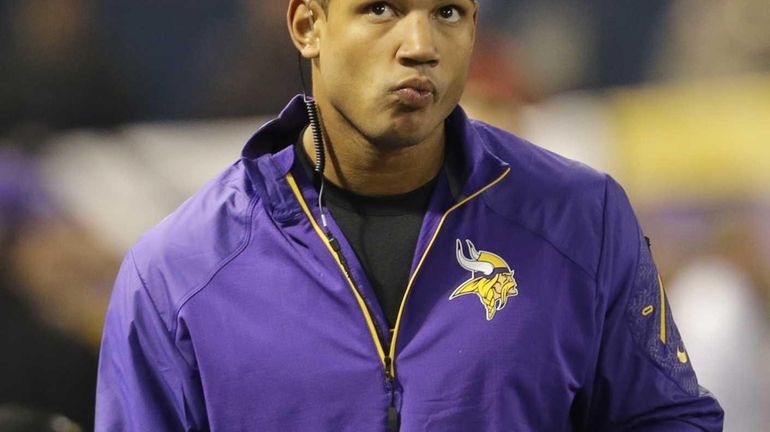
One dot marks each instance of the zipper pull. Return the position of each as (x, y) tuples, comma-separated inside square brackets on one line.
[(394, 419)]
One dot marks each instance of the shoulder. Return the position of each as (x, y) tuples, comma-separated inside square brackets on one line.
[(552, 174), (178, 256), (561, 200)]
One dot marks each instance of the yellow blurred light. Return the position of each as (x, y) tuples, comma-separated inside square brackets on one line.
[(698, 140)]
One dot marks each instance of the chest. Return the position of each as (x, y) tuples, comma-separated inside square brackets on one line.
[(495, 332)]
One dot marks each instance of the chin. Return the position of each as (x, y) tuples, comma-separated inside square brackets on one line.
[(396, 129), (398, 136)]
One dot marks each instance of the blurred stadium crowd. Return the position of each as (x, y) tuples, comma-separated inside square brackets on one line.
[(112, 112)]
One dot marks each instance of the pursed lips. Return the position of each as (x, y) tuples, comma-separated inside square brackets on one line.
[(415, 92)]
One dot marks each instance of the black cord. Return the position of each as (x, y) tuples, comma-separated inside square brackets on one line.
[(315, 126), (320, 165), (318, 142), (315, 122)]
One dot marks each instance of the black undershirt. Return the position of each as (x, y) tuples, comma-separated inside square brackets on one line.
[(382, 230)]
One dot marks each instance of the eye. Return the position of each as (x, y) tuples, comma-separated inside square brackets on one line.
[(450, 14), (381, 10)]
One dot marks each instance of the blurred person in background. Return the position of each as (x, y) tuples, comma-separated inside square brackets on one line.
[(41, 367)]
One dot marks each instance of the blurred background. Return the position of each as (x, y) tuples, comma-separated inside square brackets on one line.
[(113, 112)]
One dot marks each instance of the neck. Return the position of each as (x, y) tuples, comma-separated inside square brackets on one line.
[(357, 165)]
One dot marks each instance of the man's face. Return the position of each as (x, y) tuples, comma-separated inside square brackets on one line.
[(394, 69)]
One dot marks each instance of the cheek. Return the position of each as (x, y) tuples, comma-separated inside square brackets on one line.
[(457, 59), (454, 89), (348, 65)]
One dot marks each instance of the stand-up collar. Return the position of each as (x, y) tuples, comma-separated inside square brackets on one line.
[(278, 133), (470, 161)]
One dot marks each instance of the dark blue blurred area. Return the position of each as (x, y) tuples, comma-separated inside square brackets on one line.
[(203, 59), (622, 32), (56, 69), (91, 63), (627, 35)]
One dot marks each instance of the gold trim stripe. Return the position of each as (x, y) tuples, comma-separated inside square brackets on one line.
[(422, 260), (663, 337), (361, 303)]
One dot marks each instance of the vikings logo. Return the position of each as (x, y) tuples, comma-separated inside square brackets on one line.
[(491, 278)]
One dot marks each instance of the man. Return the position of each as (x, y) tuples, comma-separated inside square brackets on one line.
[(525, 295)]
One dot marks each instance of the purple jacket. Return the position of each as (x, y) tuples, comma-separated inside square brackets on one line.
[(533, 305)]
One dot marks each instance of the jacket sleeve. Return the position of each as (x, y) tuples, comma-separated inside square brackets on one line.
[(143, 382), (644, 380)]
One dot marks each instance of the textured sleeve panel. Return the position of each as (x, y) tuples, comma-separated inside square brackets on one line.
[(652, 325), (642, 380)]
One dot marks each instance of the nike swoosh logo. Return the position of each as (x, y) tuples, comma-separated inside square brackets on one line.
[(682, 356)]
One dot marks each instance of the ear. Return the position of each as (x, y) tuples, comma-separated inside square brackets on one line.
[(301, 19)]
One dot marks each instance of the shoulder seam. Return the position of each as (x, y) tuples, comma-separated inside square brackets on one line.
[(143, 282), (604, 233), (487, 129), (155, 308), (238, 250), (543, 237)]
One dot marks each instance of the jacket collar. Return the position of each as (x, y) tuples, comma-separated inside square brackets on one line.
[(470, 164)]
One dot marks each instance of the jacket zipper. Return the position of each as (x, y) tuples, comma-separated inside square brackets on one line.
[(393, 424), (333, 245), (394, 418), (462, 202)]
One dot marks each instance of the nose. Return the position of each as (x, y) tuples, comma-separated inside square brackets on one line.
[(418, 44)]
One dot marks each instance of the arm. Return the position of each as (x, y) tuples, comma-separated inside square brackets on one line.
[(644, 380), (144, 383)]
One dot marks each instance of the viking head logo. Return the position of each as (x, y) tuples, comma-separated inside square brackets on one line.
[(491, 278)]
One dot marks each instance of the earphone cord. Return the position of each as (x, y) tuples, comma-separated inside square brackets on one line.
[(318, 141), (315, 125), (312, 111), (320, 205)]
